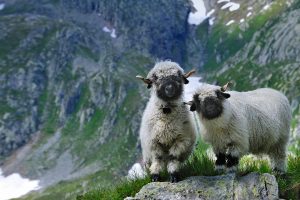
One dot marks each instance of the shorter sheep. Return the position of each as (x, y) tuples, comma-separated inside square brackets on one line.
[(239, 123), (167, 130)]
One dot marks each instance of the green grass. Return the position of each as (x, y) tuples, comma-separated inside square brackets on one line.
[(51, 123), (4, 108), (120, 191), (289, 185), (42, 101), (200, 164), (70, 189), (14, 37), (88, 53), (44, 41)]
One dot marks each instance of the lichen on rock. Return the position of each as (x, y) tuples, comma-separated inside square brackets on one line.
[(229, 186)]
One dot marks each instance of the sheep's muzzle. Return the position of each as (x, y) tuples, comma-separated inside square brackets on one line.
[(170, 88), (211, 107)]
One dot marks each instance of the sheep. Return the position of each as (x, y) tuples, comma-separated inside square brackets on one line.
[(240, 123), (167, 131)]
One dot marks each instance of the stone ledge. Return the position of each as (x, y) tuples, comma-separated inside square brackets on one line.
[(229, 186)]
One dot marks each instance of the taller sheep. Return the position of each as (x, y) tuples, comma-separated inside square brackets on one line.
[(238, 123), (167, 130)]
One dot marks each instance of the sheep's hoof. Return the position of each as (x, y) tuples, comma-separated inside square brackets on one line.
[(174, 178), (155, 177)]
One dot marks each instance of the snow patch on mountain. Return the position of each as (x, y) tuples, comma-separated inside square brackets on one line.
[(2, 6), (230, 22), (231, 6), (111, 31), (14, 186), (195, 18)]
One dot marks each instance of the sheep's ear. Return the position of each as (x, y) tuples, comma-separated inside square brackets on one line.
[(146, 81), (185, 81), (222, 95), (193, 107), (192, 104), (186, 75)]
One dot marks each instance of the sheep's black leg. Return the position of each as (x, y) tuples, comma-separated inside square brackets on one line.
[(220, 162), (155, 177), (173, 168), (174, 177), (221, 159), (231, 163)]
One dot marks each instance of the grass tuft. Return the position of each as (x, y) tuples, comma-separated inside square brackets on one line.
[(199, 163), (289, 184), (122, 190), (252, 164)]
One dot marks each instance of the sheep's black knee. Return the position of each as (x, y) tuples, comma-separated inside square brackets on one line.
[(231, 161), (221, 159), (174, 177), (155, 177)]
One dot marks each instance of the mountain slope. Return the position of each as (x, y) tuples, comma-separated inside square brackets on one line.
[(67, 83), (269, 59)]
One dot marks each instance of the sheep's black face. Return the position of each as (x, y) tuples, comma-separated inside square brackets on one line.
[(210, 107), (169, 88)]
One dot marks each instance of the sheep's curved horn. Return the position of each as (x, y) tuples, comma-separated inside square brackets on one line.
[(226, 86), (146, 80), (188, 74)]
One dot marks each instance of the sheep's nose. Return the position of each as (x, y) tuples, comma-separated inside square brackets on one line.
[(170, 90)]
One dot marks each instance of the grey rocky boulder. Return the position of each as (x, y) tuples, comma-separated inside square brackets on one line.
[(230, 186)]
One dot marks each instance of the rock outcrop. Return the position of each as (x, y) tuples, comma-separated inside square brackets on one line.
[(230, 186)]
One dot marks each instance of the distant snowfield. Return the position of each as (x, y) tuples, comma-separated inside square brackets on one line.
[(231, 5), (14, 186), (189, 89), (221, 1), (2, 5), (266, 7), (230, 22), (200, 15), (111, 31)]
